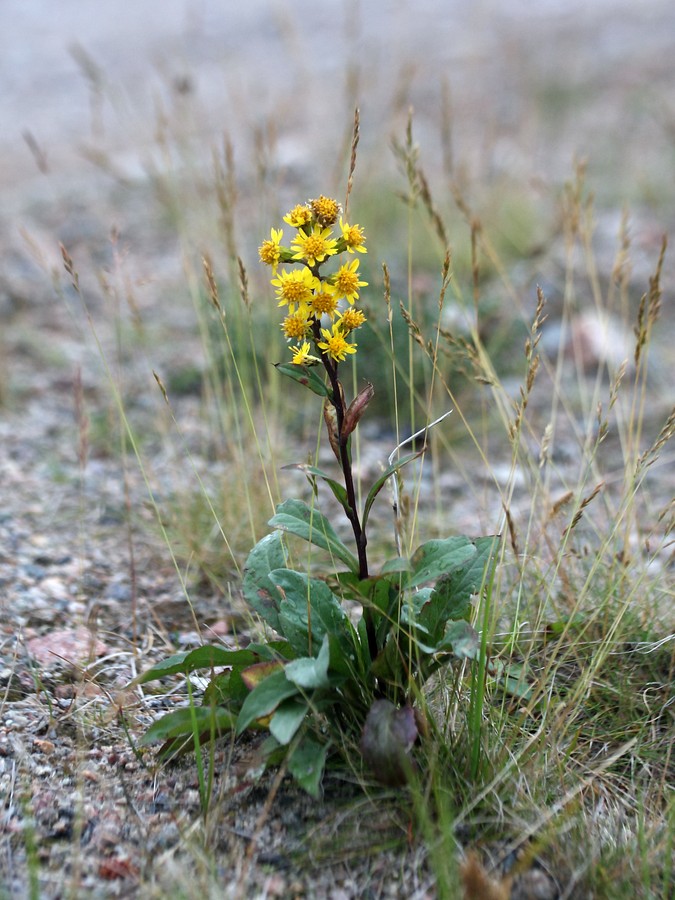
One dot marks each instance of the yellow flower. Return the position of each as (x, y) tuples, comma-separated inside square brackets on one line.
[(353, 237), (302, 356), (314, 247), (270, 251), (300, 215), (294, 289), (346, 281), (297, 325), (324, 302), (351, 319), (334, 343), (325, 210)]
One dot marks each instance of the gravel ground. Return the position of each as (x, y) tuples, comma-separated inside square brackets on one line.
[(88, 594)]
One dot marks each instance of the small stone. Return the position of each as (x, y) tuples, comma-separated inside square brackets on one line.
[(119, 592), (535, 884), (275, 886), (54, 588), (74, 645)]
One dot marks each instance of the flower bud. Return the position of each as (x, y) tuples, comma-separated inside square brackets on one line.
[(356, 409)]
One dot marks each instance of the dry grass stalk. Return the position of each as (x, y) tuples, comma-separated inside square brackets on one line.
[(352, 161)]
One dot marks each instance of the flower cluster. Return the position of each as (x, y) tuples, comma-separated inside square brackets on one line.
[(319, 308)]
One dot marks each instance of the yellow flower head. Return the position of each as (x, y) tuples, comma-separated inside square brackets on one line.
[(270, 251), (296, 326), (324, 302), (314, 247), (334, 343), (302, 356), (298, 216), (350, 319), (346, 281), (294, 289), (326, 210), (353, 237)]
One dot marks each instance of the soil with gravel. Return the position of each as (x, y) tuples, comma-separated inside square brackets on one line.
[(88, 592)]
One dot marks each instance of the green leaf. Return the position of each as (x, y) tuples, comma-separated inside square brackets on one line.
[(484, 563), (297, 518), (382, 480), (180, 722), (388, 665), (362, 631), (268, 554), (345, 665), (338, 490), (287, 719), (310, 673), (386, 598), (254, 675), (226, 689), (307, 763), (206, 657), (272, 650), (397, 564), (325, 610), (515, 680), (462, 638), (306, 376), (264, 699), (436, 558), (451, 597), (348, 585)]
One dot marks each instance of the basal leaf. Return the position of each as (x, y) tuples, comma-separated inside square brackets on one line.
[(226, 689), (252, 676), (287, 719), (345, 665), (181, 722), (265, 698), (451, 597), (206, 657), (310, 672), (515, 681), (272, 650), (389, 664), (268, 554), (325, 610), (307, 763), (473, 577), (436, 558), (397, 564), (462, 639), (297, 518)]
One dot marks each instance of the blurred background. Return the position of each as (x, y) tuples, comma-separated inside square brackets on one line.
[(144, 136), (518, 88)]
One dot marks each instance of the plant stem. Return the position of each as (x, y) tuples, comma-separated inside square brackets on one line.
[(352, 511)]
